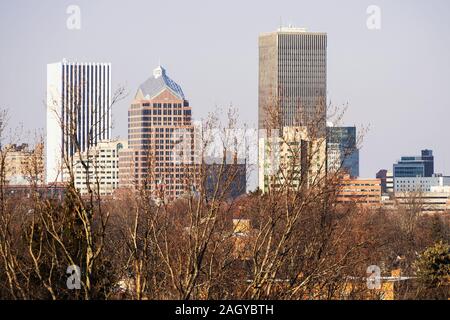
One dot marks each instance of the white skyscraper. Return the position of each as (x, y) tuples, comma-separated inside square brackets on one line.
[(78, 111)]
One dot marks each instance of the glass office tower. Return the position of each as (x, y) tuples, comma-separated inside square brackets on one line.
[(415, 166), (342, 151)]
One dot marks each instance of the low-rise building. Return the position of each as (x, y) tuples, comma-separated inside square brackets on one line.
[(420, 184), (98, 168), (360, 191), (50, 191), (23, 165), (437, 200)]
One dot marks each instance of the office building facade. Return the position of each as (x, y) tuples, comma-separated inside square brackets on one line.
[(78, 112), (342, 151), (159, 122), (415, 166), (387, 181), (420, 184), (359, 191), (225, 177), (434, 201), (100, 168), (292, 95), (23, 165), (292, 77), (291, 160)]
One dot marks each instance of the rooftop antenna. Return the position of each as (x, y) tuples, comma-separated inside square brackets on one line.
[(281, 23)]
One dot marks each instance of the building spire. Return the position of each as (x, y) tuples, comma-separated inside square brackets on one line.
[(159, 71)]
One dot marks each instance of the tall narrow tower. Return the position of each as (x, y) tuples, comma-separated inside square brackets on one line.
[(293, 76), (78, 111), (292, 100)]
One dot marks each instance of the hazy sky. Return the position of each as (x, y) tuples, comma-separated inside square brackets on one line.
[(396, 80)]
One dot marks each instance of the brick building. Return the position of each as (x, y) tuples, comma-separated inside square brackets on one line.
[(361, 191), (160, 153)]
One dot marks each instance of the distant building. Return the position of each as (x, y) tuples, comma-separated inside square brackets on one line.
[(100, 170), (360, 191), (293, 76), (420, 184), (424, 194), (21, 192), (22, 164), (243, 237), (159, 123), (229, 178), (415, 166), (443, 189), (434, 201), (292, 95), (387, 181), (291, 160), (342, 152), (78, 112)]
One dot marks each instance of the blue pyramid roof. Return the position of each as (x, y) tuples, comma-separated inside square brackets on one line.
[(156, 84)]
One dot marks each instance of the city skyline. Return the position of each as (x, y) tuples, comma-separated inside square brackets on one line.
[(367, 68), (225, 155)]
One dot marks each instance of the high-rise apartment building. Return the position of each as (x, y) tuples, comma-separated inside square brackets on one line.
[(342, 151), (159, 122), (78, 111), (292, 77), (415, 166)]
